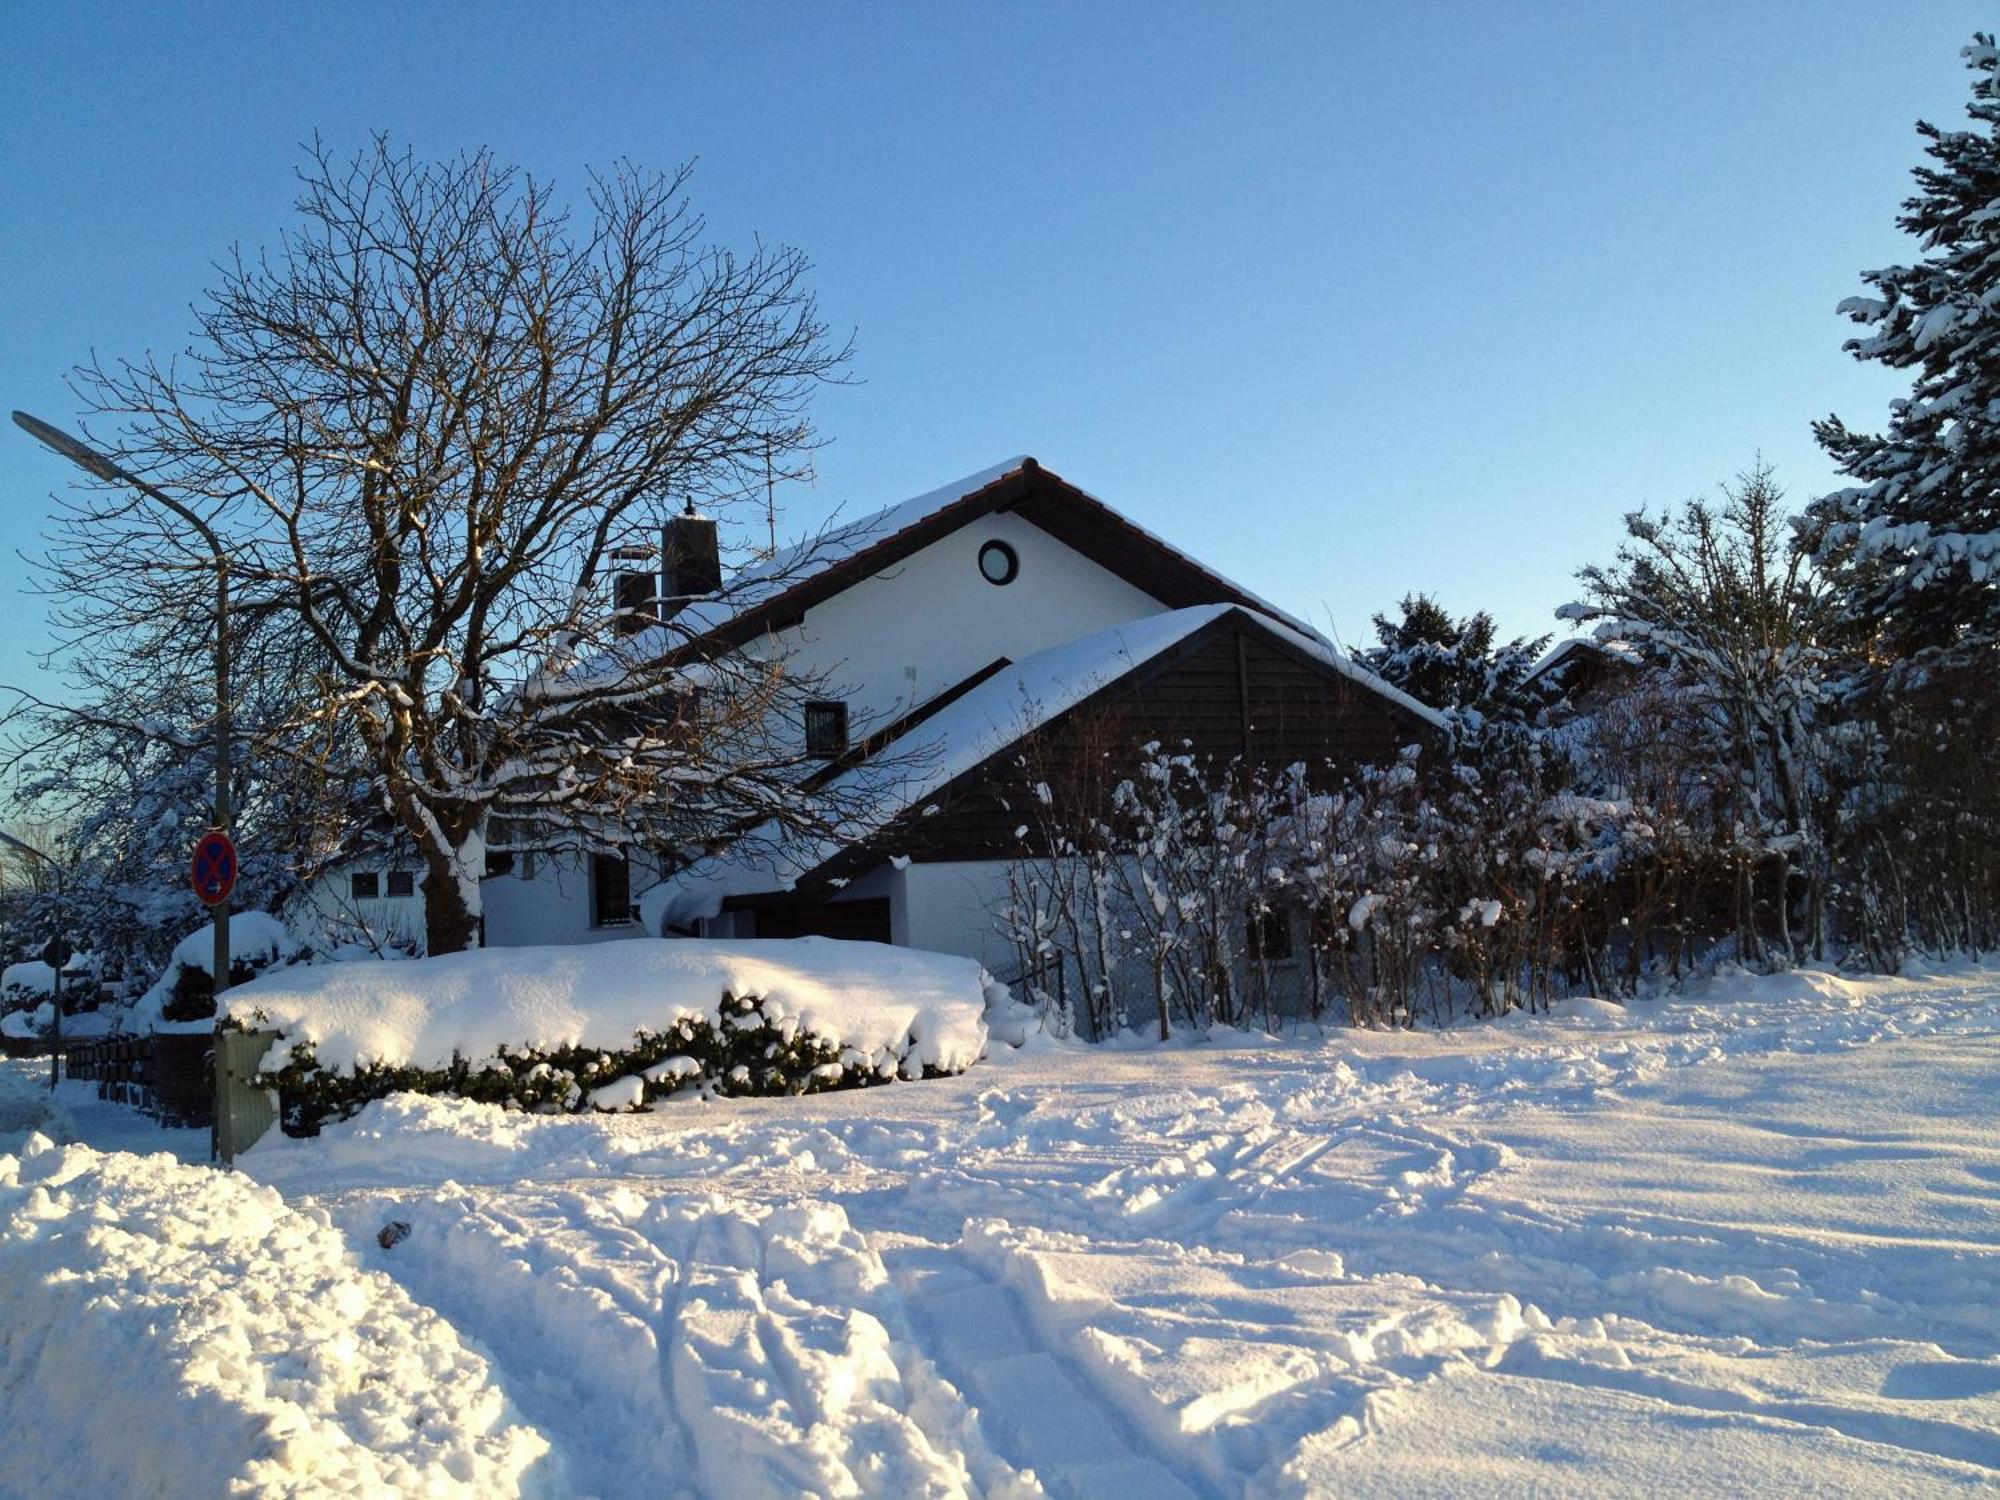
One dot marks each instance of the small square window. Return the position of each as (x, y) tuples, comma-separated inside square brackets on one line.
[(402, 882), (826, 728), (364, 885)]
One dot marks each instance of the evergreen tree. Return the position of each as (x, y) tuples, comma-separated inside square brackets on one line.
[(1452, 664), (1917, 539)]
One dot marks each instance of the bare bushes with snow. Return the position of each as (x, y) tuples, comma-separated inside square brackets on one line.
[(1206, 893)]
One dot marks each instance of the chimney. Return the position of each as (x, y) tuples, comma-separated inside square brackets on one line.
[(692, 559), (635, 594)]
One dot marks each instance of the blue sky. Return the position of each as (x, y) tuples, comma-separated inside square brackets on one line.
[(1350, 300)]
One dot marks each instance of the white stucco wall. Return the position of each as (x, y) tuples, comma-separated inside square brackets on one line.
[(322, 912), (908, 633), (954, 907), (551, 906)]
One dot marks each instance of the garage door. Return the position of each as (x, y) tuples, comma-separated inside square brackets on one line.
[(865, 921)]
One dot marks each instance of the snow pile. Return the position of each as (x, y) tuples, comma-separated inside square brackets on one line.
[(865, 997), (24, 1025), (27, 1107), (179, 1331), (33, 977)]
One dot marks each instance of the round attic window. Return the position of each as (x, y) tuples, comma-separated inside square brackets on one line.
[(998, 563)]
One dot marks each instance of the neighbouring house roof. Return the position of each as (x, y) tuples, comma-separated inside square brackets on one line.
[(1583, 647), (776, 592), (998, 712)]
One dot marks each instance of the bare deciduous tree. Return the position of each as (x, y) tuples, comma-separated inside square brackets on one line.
[(422, 424)]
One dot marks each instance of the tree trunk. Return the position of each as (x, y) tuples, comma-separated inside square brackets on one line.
[(451, 922)]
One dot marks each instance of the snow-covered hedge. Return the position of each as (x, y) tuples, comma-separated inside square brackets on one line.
[(615, 1025)]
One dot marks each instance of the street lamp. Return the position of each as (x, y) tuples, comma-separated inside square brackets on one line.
[(90, 460)]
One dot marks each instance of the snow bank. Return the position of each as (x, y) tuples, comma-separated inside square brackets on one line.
[(167, 1329), (24, 1025), (255, 937), (27, 1107), (865, 996)]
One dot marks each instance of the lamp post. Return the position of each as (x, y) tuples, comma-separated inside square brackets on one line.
[(97, 464), (56, 953)]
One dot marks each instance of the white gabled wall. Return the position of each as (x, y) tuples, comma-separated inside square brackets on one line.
[(954, 907), (913, 630)]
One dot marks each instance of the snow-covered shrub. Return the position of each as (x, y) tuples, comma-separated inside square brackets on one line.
[(27, 1008), (1464, 877), (185, 990)]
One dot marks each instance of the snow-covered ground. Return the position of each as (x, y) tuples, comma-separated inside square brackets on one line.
[(1746, 1240)]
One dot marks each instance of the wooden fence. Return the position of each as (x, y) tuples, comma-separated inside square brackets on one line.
[(184, 1078)]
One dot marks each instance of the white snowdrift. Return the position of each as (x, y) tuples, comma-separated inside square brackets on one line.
[(869, 997), (173, 1330)]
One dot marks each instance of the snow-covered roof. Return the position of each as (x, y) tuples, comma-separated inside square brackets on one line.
[(791, 566), (998, 712), (807, 562), (1562, 651)]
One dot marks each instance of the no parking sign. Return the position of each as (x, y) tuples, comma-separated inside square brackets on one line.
[(214, 867)]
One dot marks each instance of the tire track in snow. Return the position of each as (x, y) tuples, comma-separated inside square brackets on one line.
[(1043, 1411), (560, 1296)]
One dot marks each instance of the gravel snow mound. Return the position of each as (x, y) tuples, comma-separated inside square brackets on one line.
[(867, 996), (174, 1330)]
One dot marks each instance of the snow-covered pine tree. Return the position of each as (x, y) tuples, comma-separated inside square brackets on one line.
[(1913, 549), (1917, 538), (1451, 664)]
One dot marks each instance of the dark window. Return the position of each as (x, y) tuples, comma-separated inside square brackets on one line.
[(610, 890), (998, 562), (1271, 934), (499, 864), (826, 728), (402, 883), (364, 885)]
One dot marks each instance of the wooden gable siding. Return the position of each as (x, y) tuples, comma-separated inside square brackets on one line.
[(1298, 710)]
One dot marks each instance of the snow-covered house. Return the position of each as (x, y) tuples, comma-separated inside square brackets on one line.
[(1580, 673), (949, 632)]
